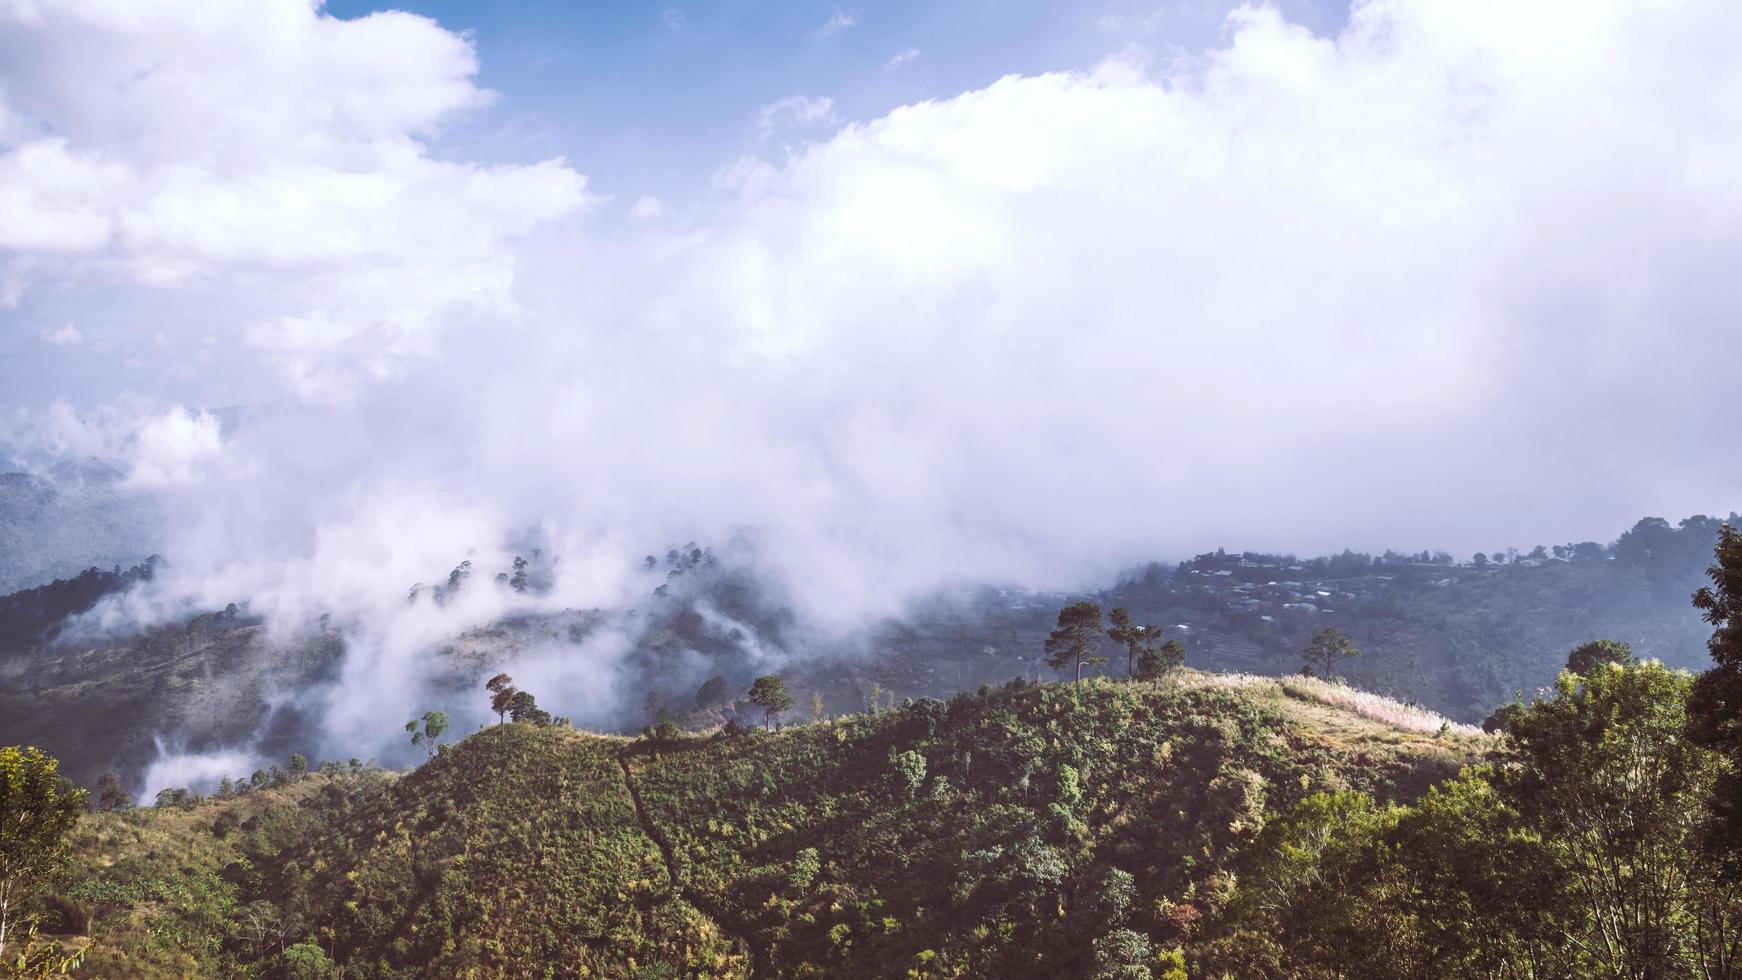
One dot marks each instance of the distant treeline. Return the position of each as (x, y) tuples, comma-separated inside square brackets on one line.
[(36, 614)]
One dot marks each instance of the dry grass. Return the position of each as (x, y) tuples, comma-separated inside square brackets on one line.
[(1362, 704)]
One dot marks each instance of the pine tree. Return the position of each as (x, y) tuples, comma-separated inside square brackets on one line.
[(1077, 638)]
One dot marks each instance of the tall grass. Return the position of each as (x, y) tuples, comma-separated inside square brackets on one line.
[(1365, 704)]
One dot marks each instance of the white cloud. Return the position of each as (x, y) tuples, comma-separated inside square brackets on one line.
[(674, 18), (267, 141), (839, 20), (900, 58), (1430, 283), (65, 335), (648, 207), (172, 447), (796, 111)]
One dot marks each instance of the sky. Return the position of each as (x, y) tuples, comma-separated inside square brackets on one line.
[(898, 295)]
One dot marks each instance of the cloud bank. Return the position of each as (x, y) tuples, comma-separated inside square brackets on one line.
[(1461, 274)]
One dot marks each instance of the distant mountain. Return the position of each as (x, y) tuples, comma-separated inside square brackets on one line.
[(69, 517)]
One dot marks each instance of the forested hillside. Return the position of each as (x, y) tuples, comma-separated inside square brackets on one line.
[(1171, 824), (1021, 831)]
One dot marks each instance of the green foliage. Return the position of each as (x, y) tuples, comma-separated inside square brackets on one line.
[(1501, 718), (1716, 705), (28, 955), (1589, 656), (1574, 854), (523, 707), (502, 692), (769, 693), (307, 961), (1124, 954), (38, 810), (805, 868), (1154, 663), (909, 769), (429, 733), (1065, 813), (1077, 637), (519, 846), (111, 795), (1328, 648), (1010, 834)]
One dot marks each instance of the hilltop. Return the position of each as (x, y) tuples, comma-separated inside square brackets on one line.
[(986, 834)]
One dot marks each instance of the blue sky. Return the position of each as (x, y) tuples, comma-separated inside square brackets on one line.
[(654, 98), (643, 99)]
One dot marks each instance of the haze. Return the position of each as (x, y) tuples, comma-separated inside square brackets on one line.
[(889, 306)]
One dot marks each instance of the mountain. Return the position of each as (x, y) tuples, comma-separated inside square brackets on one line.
[(986, 835), (72, 516)]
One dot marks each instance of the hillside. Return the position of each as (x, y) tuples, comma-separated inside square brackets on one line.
[(71, 516), (1458, 637), (985, 835)]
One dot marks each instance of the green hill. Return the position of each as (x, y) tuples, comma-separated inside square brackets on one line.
[(1001, 833)]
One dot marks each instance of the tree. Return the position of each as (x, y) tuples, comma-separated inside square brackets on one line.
[(1137, 640), (111, 795), (1076, 639), (1123, 954), (1480, 560), (1605, 777), (768, 692), (816, 707), (307, 961), (429, 734), (1715, 707), (501, 688), (524, 707), (1155, 662), (874, 697), (1571, 853), (910, 768), (1328, 648), (37, 812), (298, 766), (1590, 656), (1500, 719)]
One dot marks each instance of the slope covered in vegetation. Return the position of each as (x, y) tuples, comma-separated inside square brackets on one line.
[(1018, 831)]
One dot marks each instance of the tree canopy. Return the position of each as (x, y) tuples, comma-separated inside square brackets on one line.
[(428, 734), (1076, 639), (1589, 656), (37, 812), (1716, 705), (769, 693), (1328, 648)]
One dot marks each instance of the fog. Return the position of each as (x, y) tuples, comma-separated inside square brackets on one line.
[(1458, 277)]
